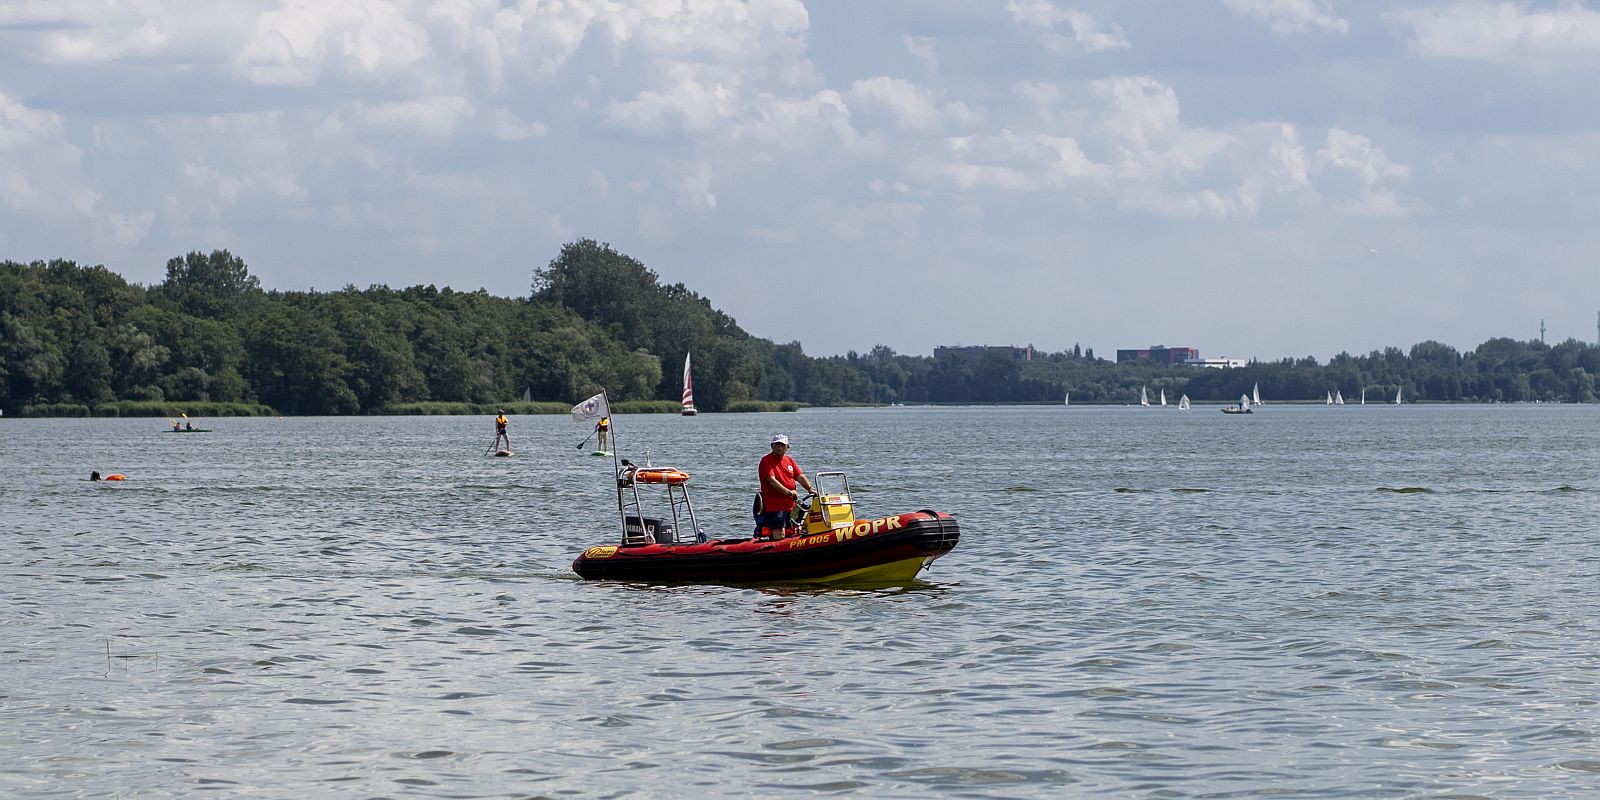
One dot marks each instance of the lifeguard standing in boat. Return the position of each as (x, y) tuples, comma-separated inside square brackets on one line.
[(778, 474)]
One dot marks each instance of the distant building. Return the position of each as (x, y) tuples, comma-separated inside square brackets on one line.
[(1160, 354), (1221, 363), (978, 351)]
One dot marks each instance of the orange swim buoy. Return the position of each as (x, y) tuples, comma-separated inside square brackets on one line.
[(116, 476), (666, 475)]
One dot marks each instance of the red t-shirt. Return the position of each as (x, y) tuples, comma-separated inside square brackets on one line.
[(786, 470)]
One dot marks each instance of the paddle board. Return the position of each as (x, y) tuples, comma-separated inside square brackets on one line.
[(502, 453), (600, 453)]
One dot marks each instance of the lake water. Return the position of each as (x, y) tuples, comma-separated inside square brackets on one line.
[(1359, 601)]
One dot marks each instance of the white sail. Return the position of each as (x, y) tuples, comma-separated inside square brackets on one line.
[(1338, 397), (1397, 390), (1330, 399), (1067, 400), (1144, 399), (1244, 401), (1163, 397), (1255, 394), (1183, 403), (1363, 395), (688, 389)]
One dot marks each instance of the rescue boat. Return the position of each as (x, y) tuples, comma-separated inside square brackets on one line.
[(826, 544)]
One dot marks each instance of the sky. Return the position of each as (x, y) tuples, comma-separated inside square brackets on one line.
[(1253, 178)]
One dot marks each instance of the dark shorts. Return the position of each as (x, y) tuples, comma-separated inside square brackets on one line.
[(773, 520)]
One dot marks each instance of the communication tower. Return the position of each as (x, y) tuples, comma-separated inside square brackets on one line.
[(1541, 331)]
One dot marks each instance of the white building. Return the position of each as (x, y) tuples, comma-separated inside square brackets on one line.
[(1220, 363)]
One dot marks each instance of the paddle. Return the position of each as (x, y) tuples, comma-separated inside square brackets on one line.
[(587, 438)]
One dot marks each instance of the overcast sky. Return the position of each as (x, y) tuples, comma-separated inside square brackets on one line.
[(1254, 178)]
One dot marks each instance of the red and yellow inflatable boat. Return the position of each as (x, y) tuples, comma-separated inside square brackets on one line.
[(832, 546)]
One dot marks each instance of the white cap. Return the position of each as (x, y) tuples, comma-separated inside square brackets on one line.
[(780, 439)]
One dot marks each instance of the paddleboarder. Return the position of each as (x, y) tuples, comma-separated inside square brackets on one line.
[(601, 428), (779, 475), (500, 431)]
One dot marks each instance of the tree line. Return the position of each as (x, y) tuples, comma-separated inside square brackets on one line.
[(81, 339)]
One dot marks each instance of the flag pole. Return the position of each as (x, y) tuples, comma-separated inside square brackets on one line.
[(616, 469), (612, 429)]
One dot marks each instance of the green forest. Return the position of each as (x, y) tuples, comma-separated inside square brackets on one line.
[(81, 341)]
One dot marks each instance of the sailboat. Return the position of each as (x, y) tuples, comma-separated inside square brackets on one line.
[(527, 394), (1397, 390), (1363, 395), (1242, 408), (1255, 394), (1163, 396), (1338, 397), (1067, 400), (1330, 399), (688, 390), (1183, 403), (1144, 399)]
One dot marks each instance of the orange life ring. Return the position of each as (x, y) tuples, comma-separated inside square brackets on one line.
[(116, 476), (666, 475)]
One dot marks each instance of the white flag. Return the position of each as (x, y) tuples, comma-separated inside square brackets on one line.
[(592, 409)]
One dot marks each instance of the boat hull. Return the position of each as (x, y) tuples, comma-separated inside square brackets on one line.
[(886, 550)]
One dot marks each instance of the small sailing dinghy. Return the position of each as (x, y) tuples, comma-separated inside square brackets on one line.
[(688, 390)]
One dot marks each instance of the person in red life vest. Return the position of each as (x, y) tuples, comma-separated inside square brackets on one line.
[(779, 475)]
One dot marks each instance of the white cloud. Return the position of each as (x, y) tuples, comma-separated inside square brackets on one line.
[(1010, 162), (1499, 31), (1291, 16), (506, 126), (922, 48), (695, 104), (1122, 141), (694, 187), (39, 173), (126, 229), (1143, 123), (1355, 156), (908, 106), (1358, 155), (798, 124), (1087, 35), (300, 42), (429, 117), (21, 126)]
